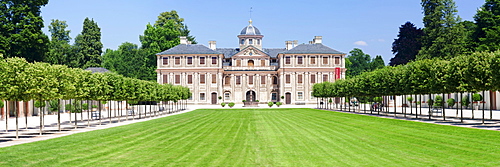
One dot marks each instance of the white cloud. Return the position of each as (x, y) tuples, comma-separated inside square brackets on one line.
[(360, 43)]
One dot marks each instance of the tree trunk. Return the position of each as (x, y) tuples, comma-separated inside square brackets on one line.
[(483, 107), (100, 112), (442, 106), (40, 115), (26, 114), (109, 111), (59, 115), (461, 108), (394, 97), (470, 97), (17, 119), (430, 106), (7, 118), (88, 112)]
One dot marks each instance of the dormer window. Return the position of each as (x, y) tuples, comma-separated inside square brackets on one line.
[(242, 41), (250, 41)]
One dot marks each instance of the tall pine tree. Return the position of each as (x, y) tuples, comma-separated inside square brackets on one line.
[(88, 47), (444, 36), (487, 34), (408, 44), (21, 30)]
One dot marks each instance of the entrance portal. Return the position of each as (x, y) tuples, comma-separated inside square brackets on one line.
[(214, 98), (250, 96), (288, 98)]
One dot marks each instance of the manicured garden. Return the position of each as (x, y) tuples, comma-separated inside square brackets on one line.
[(265, 137)]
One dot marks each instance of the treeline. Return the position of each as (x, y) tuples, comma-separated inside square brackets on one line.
[(445, 35), (23, 81), (21, 36), (474, 72)]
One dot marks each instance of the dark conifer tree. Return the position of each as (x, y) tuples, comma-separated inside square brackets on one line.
[(408, 44)]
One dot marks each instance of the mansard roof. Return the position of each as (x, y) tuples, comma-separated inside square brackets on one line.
[(188, 49), (312, 49), (229, 52)]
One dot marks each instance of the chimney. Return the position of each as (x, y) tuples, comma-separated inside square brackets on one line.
[(311, 42), (295, 43), (184, 40), (289, 45), (317, 39), (212, 45)]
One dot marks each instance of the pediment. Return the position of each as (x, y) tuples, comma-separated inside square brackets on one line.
[(249, 52)]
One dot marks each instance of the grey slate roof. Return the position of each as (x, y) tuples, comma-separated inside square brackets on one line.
[(312, 49), (228, 52), (188, 49), (273, 52), (98, 70)]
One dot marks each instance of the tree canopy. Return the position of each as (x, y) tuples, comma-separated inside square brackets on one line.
[(23, 81), (407, 45), (59, 47), (88, 47), (487, 34), (444, 37), (21, 30), (358, 62), (464, 73)]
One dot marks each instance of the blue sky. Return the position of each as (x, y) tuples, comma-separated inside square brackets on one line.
[(371, 25)]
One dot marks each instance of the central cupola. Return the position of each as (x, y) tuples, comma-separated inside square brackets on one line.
[(250, 35)]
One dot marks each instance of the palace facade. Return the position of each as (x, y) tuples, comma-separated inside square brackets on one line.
[(250, 72)]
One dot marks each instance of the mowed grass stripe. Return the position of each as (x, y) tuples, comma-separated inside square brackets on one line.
[(265, 137)]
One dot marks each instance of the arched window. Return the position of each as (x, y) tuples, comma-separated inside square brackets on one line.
[(258, 41), (242, 41), (250, 41), (250, 63)]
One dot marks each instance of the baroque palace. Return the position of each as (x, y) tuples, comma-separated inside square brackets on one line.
[(250, 72)]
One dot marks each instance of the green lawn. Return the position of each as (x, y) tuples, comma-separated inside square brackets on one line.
[(265, 137)]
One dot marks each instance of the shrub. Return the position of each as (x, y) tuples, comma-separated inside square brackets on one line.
[(244, 101), (223, 104), (477, 97), (465, 101), (438, 101), (53, 106), (410, 99), (451, 102), (270, 104), (85, 106), (39, 104), (430, 102), (377, 99), (94, 106), (419, 102), (257, 101), (278, 104), (330, 101), (231, 104)]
